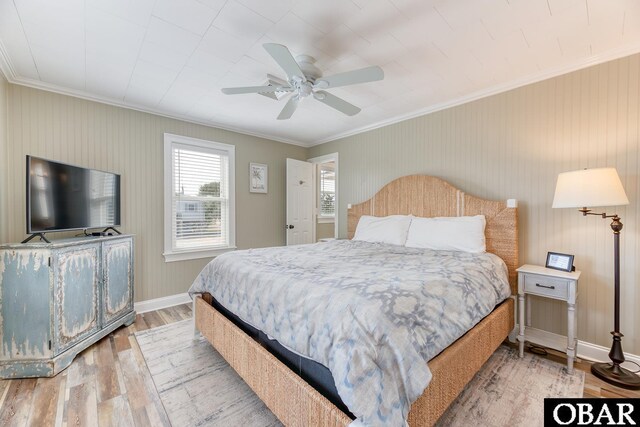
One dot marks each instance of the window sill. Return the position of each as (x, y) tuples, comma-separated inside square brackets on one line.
[(195, 254), (326, 220)]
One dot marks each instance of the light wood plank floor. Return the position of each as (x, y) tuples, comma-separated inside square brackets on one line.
[(593, 387), (109, 385)]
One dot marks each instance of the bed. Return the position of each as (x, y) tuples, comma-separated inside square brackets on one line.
[(292, 399)]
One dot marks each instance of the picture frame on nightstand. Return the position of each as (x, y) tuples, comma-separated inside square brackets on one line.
[(558, 261)]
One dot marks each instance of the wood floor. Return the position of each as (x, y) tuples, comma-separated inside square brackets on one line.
[(593, 387), (109, 385)]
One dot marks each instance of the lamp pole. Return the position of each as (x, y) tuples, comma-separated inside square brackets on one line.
[(612, 372)]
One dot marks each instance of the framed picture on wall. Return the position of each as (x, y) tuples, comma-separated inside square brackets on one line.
[(258, 178)]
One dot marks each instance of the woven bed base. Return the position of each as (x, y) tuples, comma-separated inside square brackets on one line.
[(457, 364), (296, 403), (288, 396)]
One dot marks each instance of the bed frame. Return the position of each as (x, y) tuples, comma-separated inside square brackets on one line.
[(295, 402)]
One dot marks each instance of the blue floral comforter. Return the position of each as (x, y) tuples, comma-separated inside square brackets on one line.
[(372, 313)]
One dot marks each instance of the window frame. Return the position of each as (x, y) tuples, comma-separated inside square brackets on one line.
[(170, 253)]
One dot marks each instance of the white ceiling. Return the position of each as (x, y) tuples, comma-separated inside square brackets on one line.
[(173, 56)]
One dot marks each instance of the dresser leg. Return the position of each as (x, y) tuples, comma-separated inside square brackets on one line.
[(521, 324), (571, 336)]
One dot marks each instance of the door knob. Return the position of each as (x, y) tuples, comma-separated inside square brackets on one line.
[(289, 227)]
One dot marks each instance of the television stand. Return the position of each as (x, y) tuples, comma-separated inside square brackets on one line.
[(60, 298), (109, 228), (41, 235)]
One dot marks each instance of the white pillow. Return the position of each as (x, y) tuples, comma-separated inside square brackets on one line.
[(463, 233), (387, 229)]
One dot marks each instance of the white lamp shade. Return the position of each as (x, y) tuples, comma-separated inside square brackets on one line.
[(589, 188)]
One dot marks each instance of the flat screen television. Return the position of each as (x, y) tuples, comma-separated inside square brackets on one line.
[(63, 197)]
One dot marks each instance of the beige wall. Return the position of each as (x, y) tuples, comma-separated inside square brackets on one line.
[(513, 145), (131, 143), (4, 86), (324, 230)]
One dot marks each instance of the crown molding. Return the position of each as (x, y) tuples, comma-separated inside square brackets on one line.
[(36, 84), (630, 49), (7, 69)]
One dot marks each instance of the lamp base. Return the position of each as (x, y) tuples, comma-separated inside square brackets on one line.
[(616, 375)]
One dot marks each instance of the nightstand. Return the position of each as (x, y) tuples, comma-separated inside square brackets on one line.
[(549, 283)]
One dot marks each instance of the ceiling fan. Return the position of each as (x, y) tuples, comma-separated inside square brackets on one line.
[(304, 79)]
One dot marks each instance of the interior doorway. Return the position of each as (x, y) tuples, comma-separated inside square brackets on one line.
[(326, 196), (301, 190)]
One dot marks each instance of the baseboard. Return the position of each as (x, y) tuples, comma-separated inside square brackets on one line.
[(159, 303), (586, 350)]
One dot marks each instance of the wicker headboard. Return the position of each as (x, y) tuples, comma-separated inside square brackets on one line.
[(428, 196)]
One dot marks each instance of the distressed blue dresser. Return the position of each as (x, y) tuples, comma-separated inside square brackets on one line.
[(56, 299)]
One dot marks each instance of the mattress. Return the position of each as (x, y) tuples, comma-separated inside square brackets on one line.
[(373, 314)]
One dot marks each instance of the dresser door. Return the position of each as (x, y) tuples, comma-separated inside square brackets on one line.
[(117, 265), (25, 317), (76, 284)]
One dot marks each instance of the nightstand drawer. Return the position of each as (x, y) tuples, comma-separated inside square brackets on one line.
[(546, 286)]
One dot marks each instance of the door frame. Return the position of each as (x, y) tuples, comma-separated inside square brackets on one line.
[(332, 157)]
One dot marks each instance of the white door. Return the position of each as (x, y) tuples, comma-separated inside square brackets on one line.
[(300, 202)]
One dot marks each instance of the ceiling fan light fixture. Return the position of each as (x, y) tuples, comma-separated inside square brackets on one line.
[(304, 79), (279, 94), (305, 90), (280, 83)]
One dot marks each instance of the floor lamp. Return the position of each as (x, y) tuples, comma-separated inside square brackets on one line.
[(601, 187)]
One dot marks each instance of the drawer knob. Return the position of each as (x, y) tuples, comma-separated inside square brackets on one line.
[(545, 286)]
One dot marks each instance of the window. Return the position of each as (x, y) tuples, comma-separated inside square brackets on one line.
[(199, 198), (327, 202)]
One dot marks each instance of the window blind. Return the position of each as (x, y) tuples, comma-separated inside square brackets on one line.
[(200, 205)]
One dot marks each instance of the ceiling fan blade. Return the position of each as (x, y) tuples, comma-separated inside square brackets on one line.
[(337, 103), (363, 75), (255, 89), (284, 59), (289, 108)]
